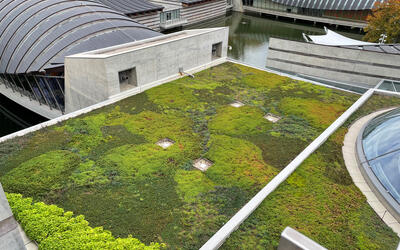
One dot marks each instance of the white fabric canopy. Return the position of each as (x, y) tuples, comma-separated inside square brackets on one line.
[(334, 39)]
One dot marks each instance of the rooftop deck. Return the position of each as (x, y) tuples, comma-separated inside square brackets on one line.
[(107, 165)]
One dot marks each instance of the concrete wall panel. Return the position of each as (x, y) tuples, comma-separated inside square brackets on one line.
[(352, 66), (92, 77)]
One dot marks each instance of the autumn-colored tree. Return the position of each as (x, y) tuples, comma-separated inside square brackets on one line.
[(385, 19)]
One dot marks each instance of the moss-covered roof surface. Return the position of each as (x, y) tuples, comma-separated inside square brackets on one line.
[(106, 166)]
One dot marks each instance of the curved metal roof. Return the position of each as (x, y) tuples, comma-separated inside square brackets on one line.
[(37, 34), (330, 4), (131, 6)]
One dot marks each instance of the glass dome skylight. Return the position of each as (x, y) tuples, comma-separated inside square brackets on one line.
[(381, 146)]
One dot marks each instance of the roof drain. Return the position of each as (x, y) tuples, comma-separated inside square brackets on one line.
[(184, 73)]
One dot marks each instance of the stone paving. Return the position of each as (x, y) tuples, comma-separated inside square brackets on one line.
[(349, 155)]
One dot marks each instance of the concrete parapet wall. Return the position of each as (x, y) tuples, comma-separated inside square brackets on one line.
[(111, 100), (93, 77), (358, 67), (294, 240)]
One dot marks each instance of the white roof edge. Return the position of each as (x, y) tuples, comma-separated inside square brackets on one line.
[(106, 52)]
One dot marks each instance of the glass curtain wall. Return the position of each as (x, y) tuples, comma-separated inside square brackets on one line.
[(47, 90)]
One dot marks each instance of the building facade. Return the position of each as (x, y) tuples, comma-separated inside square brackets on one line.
[(171, 16), (341, 9), (35, 36), (363, 66), (131, 68), (196, 11), (142, 11)]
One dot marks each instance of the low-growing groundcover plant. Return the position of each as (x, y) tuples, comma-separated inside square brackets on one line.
[(52, 228), (106, 166)]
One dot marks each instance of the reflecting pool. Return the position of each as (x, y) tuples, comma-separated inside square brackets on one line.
[(249, 35)]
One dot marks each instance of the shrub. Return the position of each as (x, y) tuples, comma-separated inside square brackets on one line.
[(52, 228)]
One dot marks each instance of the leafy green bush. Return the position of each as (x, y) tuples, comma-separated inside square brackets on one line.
[(52, 228)]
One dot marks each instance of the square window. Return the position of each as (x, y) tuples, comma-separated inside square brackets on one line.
[(127, 79)]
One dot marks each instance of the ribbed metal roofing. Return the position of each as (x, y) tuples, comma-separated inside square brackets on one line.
[(131, 6), (38, 34), (330, 4)]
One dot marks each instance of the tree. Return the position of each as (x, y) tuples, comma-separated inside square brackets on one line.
[(385, 19)]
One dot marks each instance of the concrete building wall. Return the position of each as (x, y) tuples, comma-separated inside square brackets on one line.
[(151, 20), (357, 67), (199, 12), (94, 76)]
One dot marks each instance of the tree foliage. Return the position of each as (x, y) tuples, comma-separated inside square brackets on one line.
[(385, 19)]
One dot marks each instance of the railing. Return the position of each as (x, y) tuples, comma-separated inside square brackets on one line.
[(47, 90)]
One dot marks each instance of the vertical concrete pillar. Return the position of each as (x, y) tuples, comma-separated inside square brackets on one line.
[(237, 5), (10, 238)]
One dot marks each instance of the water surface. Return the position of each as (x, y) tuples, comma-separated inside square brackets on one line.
[(249, 35)]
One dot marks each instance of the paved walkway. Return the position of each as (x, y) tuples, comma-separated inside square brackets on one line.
[(349, 155), (30, 245)]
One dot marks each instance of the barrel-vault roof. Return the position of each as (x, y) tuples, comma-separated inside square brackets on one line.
[(36, 35)]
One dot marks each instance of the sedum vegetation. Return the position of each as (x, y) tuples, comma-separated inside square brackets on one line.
[(105, 164), (320, 200)]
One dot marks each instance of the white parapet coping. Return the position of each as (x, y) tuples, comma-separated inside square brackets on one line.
[(292, 239), (145, 43), (219, 238)]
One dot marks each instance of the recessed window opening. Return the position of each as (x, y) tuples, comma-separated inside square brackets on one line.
[(127, 79), (216, 50)]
